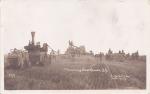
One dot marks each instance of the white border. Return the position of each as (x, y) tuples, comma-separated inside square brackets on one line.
[(1, 62), (147, 91)]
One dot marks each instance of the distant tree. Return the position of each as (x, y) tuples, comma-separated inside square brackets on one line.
[(110, 51), (91, 52)]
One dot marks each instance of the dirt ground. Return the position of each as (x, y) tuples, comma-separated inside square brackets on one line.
[(80, 73)]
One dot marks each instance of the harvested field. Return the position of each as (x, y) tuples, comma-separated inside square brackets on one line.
[(80, 73)]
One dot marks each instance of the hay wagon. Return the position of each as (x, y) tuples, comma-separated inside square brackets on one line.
[(18, 59)]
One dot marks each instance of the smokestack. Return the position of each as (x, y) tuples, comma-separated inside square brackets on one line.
[(32, 34)]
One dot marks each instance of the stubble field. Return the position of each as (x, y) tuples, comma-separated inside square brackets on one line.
[(79, 73)]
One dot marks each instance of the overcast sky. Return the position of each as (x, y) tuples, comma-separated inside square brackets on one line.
[(97, 24)]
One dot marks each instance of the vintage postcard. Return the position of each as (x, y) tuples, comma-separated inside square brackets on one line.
[(92, 46)]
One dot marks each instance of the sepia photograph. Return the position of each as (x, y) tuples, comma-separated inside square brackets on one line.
[(75, 44)]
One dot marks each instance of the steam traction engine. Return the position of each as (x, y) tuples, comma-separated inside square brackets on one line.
[(37, 54)]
